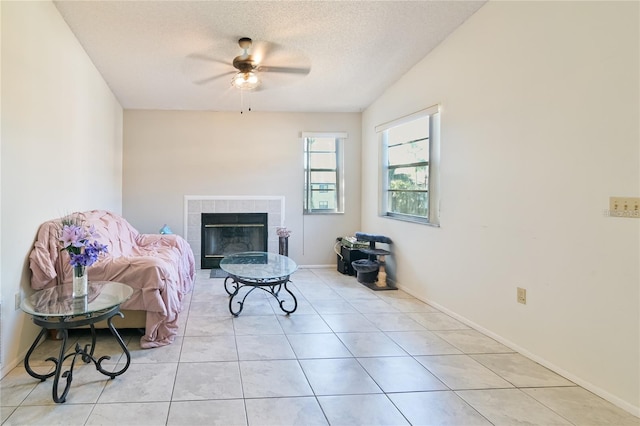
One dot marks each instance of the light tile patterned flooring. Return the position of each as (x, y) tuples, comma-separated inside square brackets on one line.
[(347, 356)]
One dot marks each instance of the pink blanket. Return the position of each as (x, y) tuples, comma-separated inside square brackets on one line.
[(159, 268)]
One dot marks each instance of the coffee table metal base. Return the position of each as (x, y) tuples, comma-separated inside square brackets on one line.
[(86, 353), (273, 286)]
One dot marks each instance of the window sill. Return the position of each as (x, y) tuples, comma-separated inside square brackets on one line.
[(322, 213), (420, 221)]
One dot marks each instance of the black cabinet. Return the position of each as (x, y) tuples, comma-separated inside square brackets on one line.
[(348, 256)]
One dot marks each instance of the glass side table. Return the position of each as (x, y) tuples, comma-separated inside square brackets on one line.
[(56, 309), (257, 269)]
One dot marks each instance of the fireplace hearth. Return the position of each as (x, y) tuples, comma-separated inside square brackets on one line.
[(228, 233)]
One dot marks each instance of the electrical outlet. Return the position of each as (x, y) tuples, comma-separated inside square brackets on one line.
[(522, 296), (624, 207), (17, 301)]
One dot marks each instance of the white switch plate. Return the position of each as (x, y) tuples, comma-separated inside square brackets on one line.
[(624, 207), (522, 296)]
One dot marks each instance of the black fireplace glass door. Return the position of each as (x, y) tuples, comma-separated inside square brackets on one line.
[(228, 233)]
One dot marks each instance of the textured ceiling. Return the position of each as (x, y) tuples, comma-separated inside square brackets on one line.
[(162, 54)]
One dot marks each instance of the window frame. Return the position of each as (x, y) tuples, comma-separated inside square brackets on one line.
[(432, 191), (339, 140)]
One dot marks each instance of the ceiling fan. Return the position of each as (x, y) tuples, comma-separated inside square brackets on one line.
[(250, 65)]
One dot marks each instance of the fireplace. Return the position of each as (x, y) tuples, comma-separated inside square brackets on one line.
[(228, 233)]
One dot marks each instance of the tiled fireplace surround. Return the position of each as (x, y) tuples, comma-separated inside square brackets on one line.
[(195, 205)]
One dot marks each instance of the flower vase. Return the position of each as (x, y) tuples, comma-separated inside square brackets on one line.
[(284, 246), (80, 281)]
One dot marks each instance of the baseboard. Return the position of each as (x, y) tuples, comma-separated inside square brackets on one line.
[(635, 410), (317, 266), (6, 368)]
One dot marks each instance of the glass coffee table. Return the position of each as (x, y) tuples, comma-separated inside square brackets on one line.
[(256, 269), (56, 309)]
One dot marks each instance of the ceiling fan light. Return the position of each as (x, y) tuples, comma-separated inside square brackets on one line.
[(252, 78), (246, 80)]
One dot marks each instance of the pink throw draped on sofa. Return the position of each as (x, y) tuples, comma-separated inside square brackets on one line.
[(159, 268)]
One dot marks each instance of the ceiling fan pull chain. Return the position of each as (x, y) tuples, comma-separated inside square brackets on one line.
[(242, 101)]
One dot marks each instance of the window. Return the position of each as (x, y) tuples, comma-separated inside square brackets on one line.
[(410, 151), (323, 172)]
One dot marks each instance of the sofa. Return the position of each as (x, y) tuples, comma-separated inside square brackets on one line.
[(159, 267)]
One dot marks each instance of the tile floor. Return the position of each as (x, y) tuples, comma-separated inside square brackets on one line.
[(347, 356)]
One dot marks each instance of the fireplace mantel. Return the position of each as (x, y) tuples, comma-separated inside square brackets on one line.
[(195, 205)]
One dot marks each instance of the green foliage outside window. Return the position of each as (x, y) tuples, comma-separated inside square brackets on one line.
[(407, 152), (408, 192)]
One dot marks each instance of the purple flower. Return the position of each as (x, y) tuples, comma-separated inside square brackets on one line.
[(71, 236), (99, 248), (81, 244), (93, 234), (283, 232), (78, 259)]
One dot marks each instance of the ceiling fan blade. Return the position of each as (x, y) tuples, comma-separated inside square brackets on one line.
[(287, 70), (212, 78), (208, 58), (262, 49)]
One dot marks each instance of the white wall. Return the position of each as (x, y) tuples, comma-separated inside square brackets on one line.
[(170, 154), (540, 119), (61, 146)]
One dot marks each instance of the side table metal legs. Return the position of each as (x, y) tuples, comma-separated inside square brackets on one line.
[(233, 285), (125, 350), (273, 287), (32, 373), (85, 354)]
